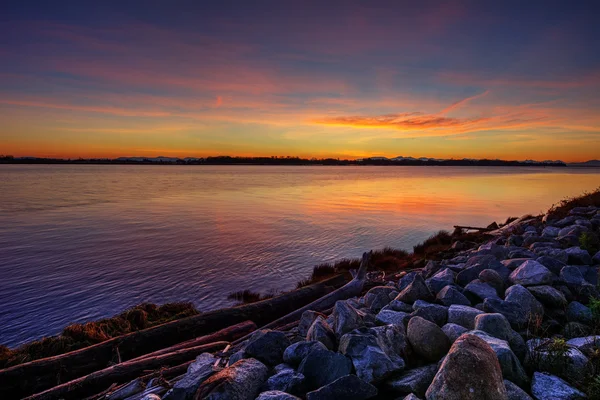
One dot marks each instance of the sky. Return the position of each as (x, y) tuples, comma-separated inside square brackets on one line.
[(344, 79)]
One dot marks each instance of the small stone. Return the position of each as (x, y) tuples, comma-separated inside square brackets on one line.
[(320, 331), (578, 256), (349, 387), (427, 339), (549, 387), (449, 295), (306, 321), (276, 395), (463, 315), (197, 372), (389, 317), (416, 290)]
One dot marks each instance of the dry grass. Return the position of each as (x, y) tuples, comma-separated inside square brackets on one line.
[(441, 241), (78, 336)]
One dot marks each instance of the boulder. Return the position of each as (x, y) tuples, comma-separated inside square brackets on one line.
[(432, 312), (378, 297), (427, 339), (267, 346), (470, 371), (392, 340), (520, 295), (549, 296), (240, 381), (514, 263), (587, 345), (571, 276), (469, 274), (548, 355), (494, 324), (493, 279), (550, 232), (509, 363), (463, 315), (287, 381), (440, 280), (370, 361), (321, 367), (296, 352), (531, 273), (521, 253), (477, 291), (453, 331), (407, 280), (577, 312), (549, 387), (389, 317), (514, 312), (349, 387), (320, 331), (514, 392), (276, 395), (346, 318), (197, 372), (306, 321), (412, 381), (416, 290), (396, 305), (578, 256), (449, 295), (576, 329)]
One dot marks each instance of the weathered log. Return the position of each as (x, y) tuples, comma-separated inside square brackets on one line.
[(472, 228), (35, 376), (119, 373), (228, 334)]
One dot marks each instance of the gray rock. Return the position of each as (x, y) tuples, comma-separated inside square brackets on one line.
[(151, 396), (431, 268), (494, 324), (549, 296), (576, 329), (572, 276), (412, 381), (578, 256), (477, 292), (570, 365), (558, 255), (493, 279), (469, 274), (379, 297), (450, 295), (440, 280), (296, 352), (587, 345), (509, 363), (306, 321), (287, 381), (320, 331), (514, 312), (348, 387), (470, 371), (132, 389), (389, 317), (577, 312), (453, 331), (346, 318), (427, 339), (321, 367), (392, 340), (549, 387), (240, 381), (396, 305), (197, 372), (276, 395), (411, 397), (520, 295), (514, 392), (531, 273), (267, 346), (521, 253), (406, 280), (370, 361), (514, 263), (416, 290), (550, 231), (432, 312), (463, 315)]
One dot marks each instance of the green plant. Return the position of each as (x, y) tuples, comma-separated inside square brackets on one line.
[(589, 241)]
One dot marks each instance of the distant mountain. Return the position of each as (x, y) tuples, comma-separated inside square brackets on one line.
[(590, 163)]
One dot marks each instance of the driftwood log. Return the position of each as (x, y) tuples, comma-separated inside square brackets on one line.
[(36, 376), (123, 372)]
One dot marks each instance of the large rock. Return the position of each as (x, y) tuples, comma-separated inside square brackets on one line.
[(440, 280), (416, 290), (514, 263), (267, 346), (240, 381), (321, 367), (378, 297), (463, 315), (549, 296), (287, 381), (453, 331), (469, 274), (389, 317), (370, 361), (519, 294), (427, 339), (348, 387), (412, 381), (493, 279), (550, 231), (320, 331), (477, 291), (578, 256), (470, 371), (450, 295), (346, 318), (406, 280), (396, 305), (531, 273), (197, 372), (296, 352), (392, 340), (549, 387), (572, 276), (577, 312), (276, 395), (432, 312), (306, 321), (514, 312), (509, 363), (514, 392), (549, 356)]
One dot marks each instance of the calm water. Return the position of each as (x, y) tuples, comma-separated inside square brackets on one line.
[(78, 243)]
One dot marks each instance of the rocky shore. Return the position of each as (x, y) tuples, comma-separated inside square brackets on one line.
[(513, 318)]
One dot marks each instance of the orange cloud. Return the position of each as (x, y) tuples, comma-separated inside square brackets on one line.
[(403, 121)]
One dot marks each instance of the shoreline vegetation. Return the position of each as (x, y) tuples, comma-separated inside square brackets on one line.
[(295, 161), (142, 323)]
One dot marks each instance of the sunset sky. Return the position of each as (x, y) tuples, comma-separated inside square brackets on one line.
[(348, 79)]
